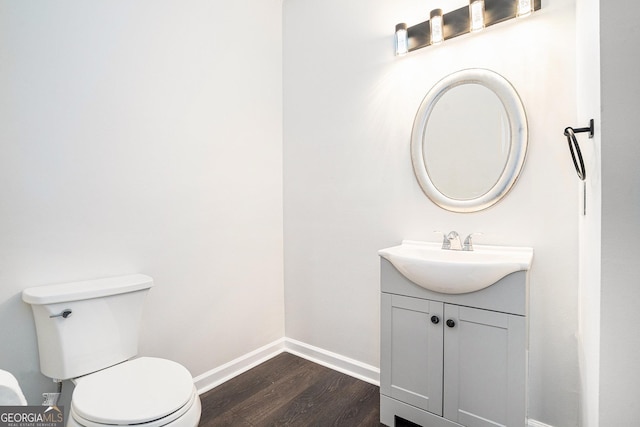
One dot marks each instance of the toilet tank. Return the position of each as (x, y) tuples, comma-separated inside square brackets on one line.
[(101, 329)]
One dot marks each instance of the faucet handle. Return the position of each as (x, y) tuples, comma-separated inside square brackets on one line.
[(468, 242), (454, 241), (446, 244)]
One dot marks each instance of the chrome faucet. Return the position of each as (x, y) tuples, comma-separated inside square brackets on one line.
[(468, 242), (452, 242)]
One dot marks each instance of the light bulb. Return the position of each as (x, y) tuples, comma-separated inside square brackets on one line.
[(401, 39), (525, 7), (437, 26), (476, 15)]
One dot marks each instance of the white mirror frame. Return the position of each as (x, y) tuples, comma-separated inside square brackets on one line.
[(518, 145)]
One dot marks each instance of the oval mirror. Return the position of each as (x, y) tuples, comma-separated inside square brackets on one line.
[(469, 140)]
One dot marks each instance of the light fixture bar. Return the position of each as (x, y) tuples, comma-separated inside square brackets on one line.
[(458, 22)]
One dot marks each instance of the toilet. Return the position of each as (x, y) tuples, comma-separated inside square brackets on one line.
[(88, 333)]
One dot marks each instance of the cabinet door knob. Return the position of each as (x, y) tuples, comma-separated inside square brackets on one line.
[(435, 320), (451, 323)]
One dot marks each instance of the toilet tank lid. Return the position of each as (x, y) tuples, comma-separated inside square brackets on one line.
[(86, 289)]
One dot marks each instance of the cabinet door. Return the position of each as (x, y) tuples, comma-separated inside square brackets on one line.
[(411, 351), (484, 367)]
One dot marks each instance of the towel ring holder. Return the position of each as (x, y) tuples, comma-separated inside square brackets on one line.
[(574, 148)]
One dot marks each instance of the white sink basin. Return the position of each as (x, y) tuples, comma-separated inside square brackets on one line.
[(456, 272)]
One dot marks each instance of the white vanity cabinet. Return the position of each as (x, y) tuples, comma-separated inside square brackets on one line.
[(452, 360)]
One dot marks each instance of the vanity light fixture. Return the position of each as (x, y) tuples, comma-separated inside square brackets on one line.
[(401, 39), (476, 15), (472, 18), (437, 26)]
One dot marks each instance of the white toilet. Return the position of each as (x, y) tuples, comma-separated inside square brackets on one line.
[(88, 332)]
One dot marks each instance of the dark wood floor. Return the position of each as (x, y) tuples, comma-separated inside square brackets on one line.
[(290, 391)]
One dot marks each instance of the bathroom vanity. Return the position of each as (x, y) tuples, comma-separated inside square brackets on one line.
[(454, 316), (453, 359)]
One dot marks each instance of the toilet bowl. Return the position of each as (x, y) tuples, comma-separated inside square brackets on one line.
[(145, 391), (10, 391), (88, 333)]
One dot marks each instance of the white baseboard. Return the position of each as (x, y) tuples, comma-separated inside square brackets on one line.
[(534, 423), (217, 376), (337, 362)]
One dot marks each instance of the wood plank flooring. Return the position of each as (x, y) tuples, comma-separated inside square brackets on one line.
[(290, 391)]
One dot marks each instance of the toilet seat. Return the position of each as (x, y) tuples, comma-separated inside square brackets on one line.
[(187, 416), (145, 391)]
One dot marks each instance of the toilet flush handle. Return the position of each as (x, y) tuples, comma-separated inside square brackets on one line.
[(65, 313)]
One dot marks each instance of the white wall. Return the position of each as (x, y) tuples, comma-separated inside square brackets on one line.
[(349, 188), (588, 107), (144, 136), (620, 341)]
